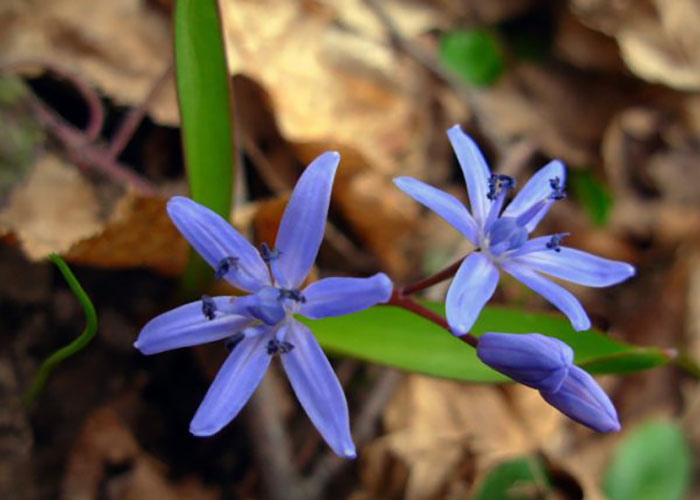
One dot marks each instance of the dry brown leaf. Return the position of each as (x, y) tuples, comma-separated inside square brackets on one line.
[(434, 426), (327, 84), (52, 210), (139, 233), (658, 39), (105, 440), (121, 47)]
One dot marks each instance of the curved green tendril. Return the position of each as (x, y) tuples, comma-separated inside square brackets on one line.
[(88, 333)]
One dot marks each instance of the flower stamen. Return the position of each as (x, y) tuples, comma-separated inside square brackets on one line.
[(225, 265), (292, 294), (558, 192), (268, 254), (208, 307), (554, 242), (274, 345)]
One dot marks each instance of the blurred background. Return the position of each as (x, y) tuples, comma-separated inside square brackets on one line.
[(90, 149)]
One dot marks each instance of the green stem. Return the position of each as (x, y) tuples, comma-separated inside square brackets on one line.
[(88, 333)]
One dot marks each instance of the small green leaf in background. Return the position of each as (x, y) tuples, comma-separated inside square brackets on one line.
[(653, 462), (395, 337), (205, 102), (523, 478), (592, 194), (474, 54)]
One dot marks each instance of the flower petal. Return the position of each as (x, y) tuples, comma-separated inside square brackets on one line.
[(529, 358), (333, 297), (581, 398), (234, 384), (187, 325), (476, 172), (304, 221), (445, 205), (537, 189), (561, 298), (317, 388), (471, 288), (578, 267), (215, 239)]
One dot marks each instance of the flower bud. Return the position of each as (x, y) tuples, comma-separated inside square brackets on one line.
[(581, 398), (532, 359)]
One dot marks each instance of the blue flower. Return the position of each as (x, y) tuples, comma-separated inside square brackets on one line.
[(262, 324), (581, 398), (502, 238), (532, 359)]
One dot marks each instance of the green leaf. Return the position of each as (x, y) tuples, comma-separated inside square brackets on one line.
[(473, 54), (42, 374), (395, 337), (593, 195), (652, 463), (522, 478), (204, 97), (205, 103)]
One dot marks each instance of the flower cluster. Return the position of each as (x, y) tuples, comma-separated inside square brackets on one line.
[(262, 324), (502, 238)]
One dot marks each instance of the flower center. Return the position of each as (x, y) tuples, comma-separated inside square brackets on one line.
[(504, 235)]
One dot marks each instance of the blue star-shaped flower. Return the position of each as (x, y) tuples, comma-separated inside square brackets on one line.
[(502, 238), (262, 324)]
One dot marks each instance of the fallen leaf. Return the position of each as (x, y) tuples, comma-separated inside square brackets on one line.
[(139, 233), (52, 210), (121, 47)]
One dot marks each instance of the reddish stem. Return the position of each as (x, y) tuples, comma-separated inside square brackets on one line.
[(399, 300), (446, 273), (127, 128)]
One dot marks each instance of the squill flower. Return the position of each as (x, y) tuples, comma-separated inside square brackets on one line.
[(262, 324), (546, 364), (532, 359), (581, 398), (501, 237)]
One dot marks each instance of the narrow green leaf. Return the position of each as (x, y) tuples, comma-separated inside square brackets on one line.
[(474, 54), (593, 195), (204, 97), (522, 478), (395, 337), (205, 103), (76, 345), (652, 463)]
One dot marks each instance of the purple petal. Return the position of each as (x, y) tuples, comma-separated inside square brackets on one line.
[(529, 358), (578, 267), (445, 205), (476, 172), (561, 298), (214, 239), (536, 190), (317, 388), (581, 399), (304, 221), (234, 384), (333, 297), (471, 288), (187, 325)]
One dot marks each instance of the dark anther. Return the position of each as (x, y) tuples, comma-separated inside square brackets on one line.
[(267, 254), (275, 345), (208, 307), (292, 294), (554, 242), (499, 183), (234, 340), (225, 265), (557, 189)]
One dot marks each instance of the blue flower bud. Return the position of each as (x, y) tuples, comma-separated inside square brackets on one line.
[(581, 398), (531, 359)]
